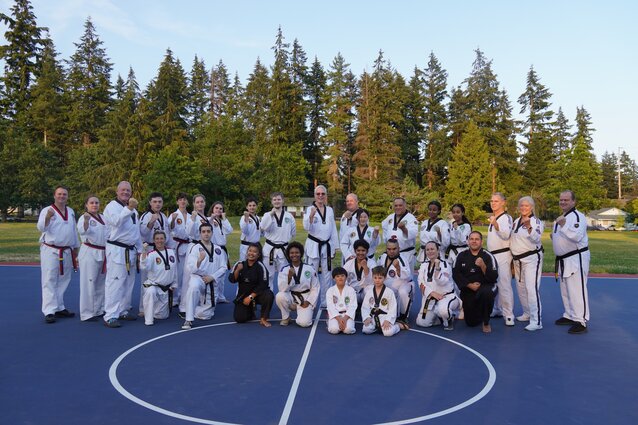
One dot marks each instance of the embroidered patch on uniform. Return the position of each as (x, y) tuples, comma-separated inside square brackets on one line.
[(158, 261), (171, 259), (416, 222), (179, 221), (392, 273), (53, 218), (347, 300), (369, 233), (576, 225), (371, 300), (92, 223), (538, 231), (287, 220), (384, 302), (391, 221), (307, 274), (335, 300), (352, 235), (351, 276), (218, 251)]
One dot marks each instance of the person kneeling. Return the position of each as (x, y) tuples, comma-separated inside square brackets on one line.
[(161, 273), (252, 277), (379, 307), (341, 301)]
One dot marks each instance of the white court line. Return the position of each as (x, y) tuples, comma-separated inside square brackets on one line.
[(295, 384)]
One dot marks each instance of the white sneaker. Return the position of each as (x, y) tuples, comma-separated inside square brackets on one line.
[(509, 321), (523, 318), (187, 325), (531, 327)]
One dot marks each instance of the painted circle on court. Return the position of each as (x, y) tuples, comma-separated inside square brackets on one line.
[(123, 391)]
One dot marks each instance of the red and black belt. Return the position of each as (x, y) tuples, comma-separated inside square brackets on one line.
[(61, 250)]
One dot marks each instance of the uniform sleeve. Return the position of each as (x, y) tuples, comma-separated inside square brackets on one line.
[(413, 228), (266, 222), (231, 275), (245, 228), (220, 268), (80, 227), (504, 227), (146, 263), (282, 279), (228, 228), (293, 227), (351, 311), (386, 231), (314, 289), (346, 252), (365, 305), (422, 275), (444, 226), (306, 220), (42, 220), (537, 231), (262, 285), (333, 311), (334, 235), (193, 258), (444, 277), (145, 232), (573, 230), (392, 306)]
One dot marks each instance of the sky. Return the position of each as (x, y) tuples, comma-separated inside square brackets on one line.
[(585, 52)]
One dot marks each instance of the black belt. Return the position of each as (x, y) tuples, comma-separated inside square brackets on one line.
[(245, 243), (559, 264), (455, 248), (127, 259), (282, 246), (321, 244), (179, 243), (375, 313), (499, 251), (528, 253), (298, 296), (408, 249)]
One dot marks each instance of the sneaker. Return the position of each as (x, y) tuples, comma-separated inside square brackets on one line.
[(509, 321), (523, 318), (187, 325), (577, 328), (64, 313), (128, 317), (149, 324), (284, 322), (112, 323), (182, 315), (532, 327), (564, 321), (449, 326), (49, 318)]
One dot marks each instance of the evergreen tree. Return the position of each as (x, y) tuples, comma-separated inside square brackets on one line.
[(609, 171), (562, 134), (219, 91), (235, 99), (411, 127), (437, 145), (584, 127), (198, 104), (628, 175), (469, 173), (314, 149), (257, 104), (89, 87)]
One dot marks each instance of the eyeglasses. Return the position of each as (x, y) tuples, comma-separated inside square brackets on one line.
[(320, 194)]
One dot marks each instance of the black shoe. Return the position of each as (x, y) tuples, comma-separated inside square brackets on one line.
[(564, 321), (577, 328), (181, 315), (112, 323), (92, 319), (127, 317), (49, 318), (64, 313)]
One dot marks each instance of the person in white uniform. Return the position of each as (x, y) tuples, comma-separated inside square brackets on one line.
[(434, 229), (527, 252), (298, 288), (404, 228), (398, 278), (249, 224), (359, 269), (58, 246), (207, 265), (379, 307), (92, 260), (498, 244), (221, 229), (341, 300), (460, 229), (161, 279), (180, 222), (349, 219), (439, 304), (571, 246), (361, 231), (323, 240), (122, 245), (279, 228)]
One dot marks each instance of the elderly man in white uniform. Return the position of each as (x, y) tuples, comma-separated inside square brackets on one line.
[(571, 246), (403, 227), (323, 239), (58, 245), (122, 245)]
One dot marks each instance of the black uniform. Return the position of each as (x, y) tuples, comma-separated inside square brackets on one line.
[(477, 306), (252, 279)]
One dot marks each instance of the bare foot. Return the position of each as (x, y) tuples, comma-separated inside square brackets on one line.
[(487, 328), (265, 323)]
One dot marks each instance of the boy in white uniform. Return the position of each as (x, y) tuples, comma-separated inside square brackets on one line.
[(298, 288), (180, 223), (379, 307), (161, 279), (341, 300), (279, 228)]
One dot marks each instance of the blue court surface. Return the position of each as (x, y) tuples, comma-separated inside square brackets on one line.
[(219, 372)]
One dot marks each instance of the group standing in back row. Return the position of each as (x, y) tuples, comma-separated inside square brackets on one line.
[(183, 261)]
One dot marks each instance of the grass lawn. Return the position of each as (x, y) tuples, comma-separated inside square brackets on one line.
[(612, 252)]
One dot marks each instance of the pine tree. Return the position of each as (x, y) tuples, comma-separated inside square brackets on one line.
[(562, 134), (314, 149), (628, 175), (411, 129), (584, 127), (437, 145), (257, 104), (89, 87), (198, 103), (219, 90), (609, 171)]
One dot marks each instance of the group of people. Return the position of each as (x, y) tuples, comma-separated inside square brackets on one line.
[(183, 263)]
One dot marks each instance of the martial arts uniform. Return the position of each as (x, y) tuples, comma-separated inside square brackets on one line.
[(570, 243), (357, 279), (181, 240), (406, 243), (92, 260), (498, 243), (401, 285), (527, 252), (304, 286), (321, 245), (345, 228), (477, 305), (122, 245), (161, 279), (429, 234), (251, 279), (379, 307), (221, 228), (200, 298), (161, 224), (433, 310), (278, 231), (250, 233), (57, 258), (341, 303), (458, 241), (353, 234), (193, 233)]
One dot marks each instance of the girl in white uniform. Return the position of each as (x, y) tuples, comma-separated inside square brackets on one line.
[(359, 269), (360, 231), (460, 230), (161, 278), (434, 229), (221, 228), (249, 224), (196, 219)]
